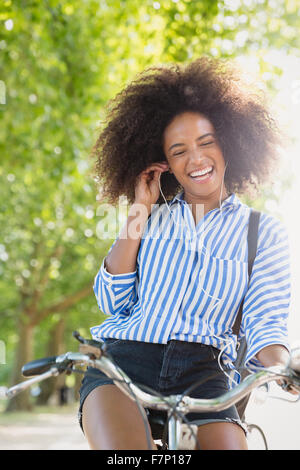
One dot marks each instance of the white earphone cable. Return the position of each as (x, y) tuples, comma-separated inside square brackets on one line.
[(221, 221), (228, 342)]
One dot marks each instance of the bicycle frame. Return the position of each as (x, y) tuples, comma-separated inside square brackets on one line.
[(177, 403)]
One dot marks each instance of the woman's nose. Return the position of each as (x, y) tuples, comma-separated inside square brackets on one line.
[(196, 154)]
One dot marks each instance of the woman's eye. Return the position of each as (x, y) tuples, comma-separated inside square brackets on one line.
[(179, 153), (204, 144)]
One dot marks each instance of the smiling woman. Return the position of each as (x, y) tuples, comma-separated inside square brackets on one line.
[(172, 295)]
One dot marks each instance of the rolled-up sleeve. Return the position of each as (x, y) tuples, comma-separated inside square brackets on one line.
[(115, 293), (267, 301)]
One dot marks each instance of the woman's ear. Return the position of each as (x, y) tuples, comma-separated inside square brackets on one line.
[(169, 169)]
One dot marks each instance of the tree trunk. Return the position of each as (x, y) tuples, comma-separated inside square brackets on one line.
[(23, 354), (29, 319), (55, 347)]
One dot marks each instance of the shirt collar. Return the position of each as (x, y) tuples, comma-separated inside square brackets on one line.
[(231, 200), (178, 197)]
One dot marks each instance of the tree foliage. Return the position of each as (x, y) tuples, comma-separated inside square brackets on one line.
[(60, 63)]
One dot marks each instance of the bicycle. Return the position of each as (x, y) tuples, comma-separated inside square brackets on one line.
[(181, 435)]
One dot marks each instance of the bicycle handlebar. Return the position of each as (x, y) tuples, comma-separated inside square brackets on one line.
[(95, 356)]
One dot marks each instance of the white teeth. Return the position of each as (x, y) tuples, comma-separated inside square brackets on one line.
[(202, 172)]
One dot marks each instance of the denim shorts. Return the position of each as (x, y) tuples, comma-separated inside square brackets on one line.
[(169, 369)]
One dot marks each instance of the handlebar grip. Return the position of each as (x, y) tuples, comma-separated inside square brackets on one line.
[(39, 366)]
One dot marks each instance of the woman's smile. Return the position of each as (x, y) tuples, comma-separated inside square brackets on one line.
[(200, 176)]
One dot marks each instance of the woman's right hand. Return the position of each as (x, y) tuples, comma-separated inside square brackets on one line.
[(147, 184)]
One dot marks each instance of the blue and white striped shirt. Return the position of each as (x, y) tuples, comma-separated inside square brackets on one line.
[(190, 280)]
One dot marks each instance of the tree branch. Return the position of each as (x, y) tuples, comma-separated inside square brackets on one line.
[(64, 304)]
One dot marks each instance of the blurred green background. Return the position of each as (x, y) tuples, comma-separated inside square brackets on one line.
[(60, 63)]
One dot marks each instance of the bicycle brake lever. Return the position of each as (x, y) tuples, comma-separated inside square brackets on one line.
[(94, 351), (77, 336), (88, 346)]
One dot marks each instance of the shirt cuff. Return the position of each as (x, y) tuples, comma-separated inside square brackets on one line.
[(112, 279), (252, 362)]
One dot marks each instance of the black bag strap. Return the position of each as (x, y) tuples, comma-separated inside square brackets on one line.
[(242, 345), (252, 247)]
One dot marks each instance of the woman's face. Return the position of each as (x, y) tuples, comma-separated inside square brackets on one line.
[(194, 155)]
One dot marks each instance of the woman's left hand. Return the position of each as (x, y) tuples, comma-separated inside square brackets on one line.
[(277, 357)]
